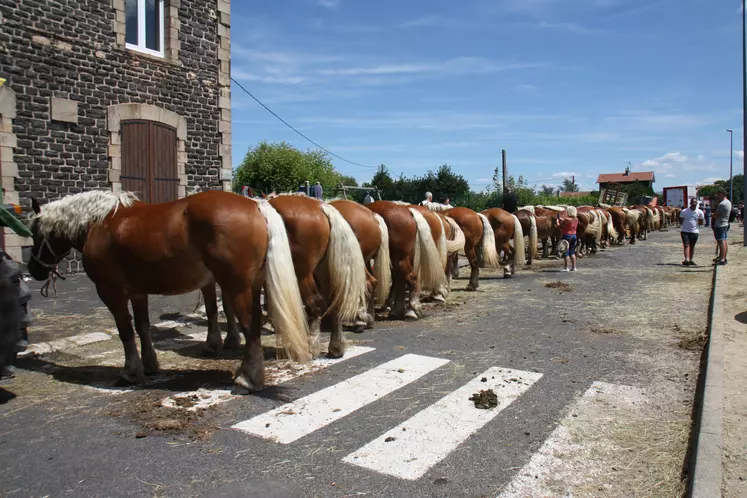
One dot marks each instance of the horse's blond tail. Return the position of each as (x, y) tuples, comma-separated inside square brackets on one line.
[(490, 256), (382, 264), (428, 266), (283, 295), (533, 237), (443, 251), (347, 270), (457, 244), (611, 232), (520, 258)]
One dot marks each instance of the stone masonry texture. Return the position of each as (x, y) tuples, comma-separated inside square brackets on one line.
[(68, 50)]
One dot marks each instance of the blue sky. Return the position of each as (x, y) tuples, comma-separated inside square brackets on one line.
[(565, 86)]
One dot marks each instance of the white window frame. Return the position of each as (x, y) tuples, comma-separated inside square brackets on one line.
[(140, 47)]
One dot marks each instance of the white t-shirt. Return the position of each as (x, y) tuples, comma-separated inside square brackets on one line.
[(690, 219)]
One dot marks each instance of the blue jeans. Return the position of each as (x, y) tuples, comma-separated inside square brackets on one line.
[(571, 245), (720, 232)]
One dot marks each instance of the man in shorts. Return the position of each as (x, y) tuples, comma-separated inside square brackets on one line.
[(692, 218), (721, 226)]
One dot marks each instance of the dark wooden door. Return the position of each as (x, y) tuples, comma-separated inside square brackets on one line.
[(149, 166)]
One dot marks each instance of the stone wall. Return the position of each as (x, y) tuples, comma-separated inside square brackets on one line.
[(70, 51), (67, 65)]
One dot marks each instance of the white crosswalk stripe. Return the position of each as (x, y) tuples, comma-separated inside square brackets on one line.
[(300, 418), (276, 374), (409, 450)]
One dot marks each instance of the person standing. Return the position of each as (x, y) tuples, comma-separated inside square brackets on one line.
[(721, 226), (317, 189), (568, 226), (692, 218), (707, 213), (368, 199), (509, 201), (428, 199)]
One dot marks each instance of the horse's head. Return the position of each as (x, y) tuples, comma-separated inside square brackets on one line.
[(48, 249)]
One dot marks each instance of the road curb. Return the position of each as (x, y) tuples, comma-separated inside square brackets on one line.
[(706, 467)]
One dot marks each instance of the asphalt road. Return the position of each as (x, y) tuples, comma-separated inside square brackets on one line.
[(346, 431)]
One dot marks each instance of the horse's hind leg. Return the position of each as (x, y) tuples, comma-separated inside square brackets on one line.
[(314, 304), (214, 341), (132, 372), (233, 339), (250, 376), (142, 326), (473, 266)]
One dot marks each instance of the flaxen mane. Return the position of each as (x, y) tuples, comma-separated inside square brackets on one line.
[(71, 216)]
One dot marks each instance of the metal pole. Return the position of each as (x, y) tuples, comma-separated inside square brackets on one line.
[(505, 169), (744, 104), (731, 165)]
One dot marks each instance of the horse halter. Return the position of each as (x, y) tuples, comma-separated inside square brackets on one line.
[(37, 257), (54, 274)]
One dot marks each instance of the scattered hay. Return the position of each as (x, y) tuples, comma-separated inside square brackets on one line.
[(561, 286), (693, 342)]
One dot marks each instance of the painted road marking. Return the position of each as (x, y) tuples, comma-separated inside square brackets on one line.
[(65, 343), (554, 462), (275, 373), (409, 450), (299, 418)]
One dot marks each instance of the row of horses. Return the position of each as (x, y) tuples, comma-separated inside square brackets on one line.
[(321, 265)]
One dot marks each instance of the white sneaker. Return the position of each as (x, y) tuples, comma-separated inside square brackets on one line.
[(565, 269), (573, 269)]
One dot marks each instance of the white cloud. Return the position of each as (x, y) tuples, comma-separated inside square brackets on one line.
[(438, 21), (710, 180), (330, 4), (564, 174), (459, 65), (673, 164), (739, 154), (573, 28)]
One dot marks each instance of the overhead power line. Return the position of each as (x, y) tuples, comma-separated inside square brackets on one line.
[(301, 134)]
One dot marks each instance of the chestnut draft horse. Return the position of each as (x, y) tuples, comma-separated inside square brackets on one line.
[(506, 227), (131, 249), (328, 264), (415, 259), (479, 242), (373, 238)]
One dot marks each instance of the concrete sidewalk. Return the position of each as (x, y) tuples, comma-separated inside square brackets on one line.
[(720, 467)]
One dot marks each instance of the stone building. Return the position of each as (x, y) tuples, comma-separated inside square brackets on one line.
[(113, 94)]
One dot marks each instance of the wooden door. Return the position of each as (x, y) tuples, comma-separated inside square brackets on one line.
[(149, 166)]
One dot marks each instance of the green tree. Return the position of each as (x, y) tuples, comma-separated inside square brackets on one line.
[(569, 185), (547, 190), (348, 181), (710, 190), (282, 167)]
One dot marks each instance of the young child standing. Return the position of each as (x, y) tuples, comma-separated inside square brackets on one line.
[(568, 227)]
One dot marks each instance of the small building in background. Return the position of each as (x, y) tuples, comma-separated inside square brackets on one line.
[(646, 178)]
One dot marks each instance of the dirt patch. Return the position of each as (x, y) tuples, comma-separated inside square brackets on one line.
[(561, 286), (146, 411), (604, 330)]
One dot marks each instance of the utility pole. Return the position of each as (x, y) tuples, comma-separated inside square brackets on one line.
[(573, 182), (731, 165), (505, 169)]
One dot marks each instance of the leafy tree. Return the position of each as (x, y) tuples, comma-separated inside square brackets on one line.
[(282, 167), (569, 185), (547, 190), (348, 181), (710, 190)]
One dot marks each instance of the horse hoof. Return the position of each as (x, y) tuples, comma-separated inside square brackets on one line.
[(469, 288), (151, 369), (439, 299), (242, 387), (411, 315), (127, 378), (335, 352), (232, 343)]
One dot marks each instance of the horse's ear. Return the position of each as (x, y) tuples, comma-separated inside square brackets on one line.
[(35, 206)]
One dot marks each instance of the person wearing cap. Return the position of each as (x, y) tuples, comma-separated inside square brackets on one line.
[(692, 218), (428, 199)]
